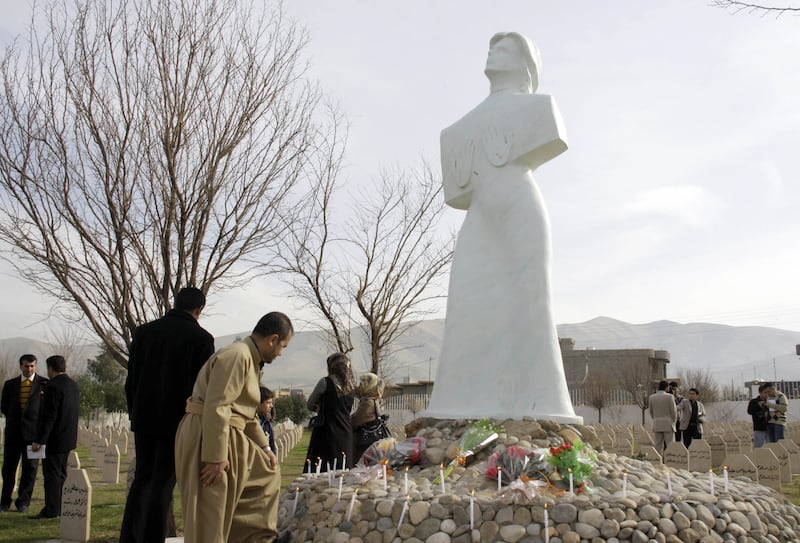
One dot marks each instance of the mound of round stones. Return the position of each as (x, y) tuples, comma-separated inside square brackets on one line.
[(315, 509)]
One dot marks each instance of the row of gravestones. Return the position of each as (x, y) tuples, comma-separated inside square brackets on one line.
[(771, 465), (287, 435)]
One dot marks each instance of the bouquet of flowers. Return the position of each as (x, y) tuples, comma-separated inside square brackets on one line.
[(393, 453), (573, 458), (476, 437), (519, 463)]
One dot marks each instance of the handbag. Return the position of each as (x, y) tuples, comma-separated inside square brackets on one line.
[(373, 431)]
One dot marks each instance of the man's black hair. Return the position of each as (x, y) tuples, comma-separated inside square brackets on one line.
[(26, 358), (274, 323), (190, 298), (57, 363), (663, 384)]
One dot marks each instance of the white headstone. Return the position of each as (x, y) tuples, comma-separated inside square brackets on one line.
[(111, 465), (76, 506)]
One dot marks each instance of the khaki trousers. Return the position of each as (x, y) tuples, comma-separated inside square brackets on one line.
[(243, 506)]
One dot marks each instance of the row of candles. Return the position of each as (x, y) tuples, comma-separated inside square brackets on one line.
[(711, 486)]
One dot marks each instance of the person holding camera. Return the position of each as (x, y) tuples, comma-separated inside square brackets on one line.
[(758, 408)]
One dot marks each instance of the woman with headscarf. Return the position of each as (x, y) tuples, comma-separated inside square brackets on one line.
[(369, 392), (332, 399)]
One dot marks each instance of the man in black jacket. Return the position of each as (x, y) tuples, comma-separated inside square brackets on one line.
[(58, 430), (20, 403), (166, 356)]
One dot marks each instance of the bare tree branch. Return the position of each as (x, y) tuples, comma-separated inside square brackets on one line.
[(149, 146), (761, 9)]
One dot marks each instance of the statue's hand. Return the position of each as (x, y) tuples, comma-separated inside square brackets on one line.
[(462, 161), (497, 145)]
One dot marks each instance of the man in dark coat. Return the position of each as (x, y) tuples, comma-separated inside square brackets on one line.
[(20, 403), (58, 430), (166, 356)]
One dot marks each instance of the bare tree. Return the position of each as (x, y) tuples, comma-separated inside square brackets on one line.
[(702, 380), (598, 390), (761, 9), (636, 378), (146, 146), (381, 271)]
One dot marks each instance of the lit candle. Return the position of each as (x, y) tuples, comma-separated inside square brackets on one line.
[(571, 487), (319, 465), (711, 480), (472, 510), (624, 484), (307, 471), (296, 496), (546, 528), (406, 481), (344, 460), (334, 464), (352, 503), (499, 478), (725, 476), (669, 484), (441, 476), (385, 482), (403, 513), (339, 497)]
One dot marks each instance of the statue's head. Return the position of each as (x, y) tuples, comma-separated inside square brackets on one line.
[(511, 53)]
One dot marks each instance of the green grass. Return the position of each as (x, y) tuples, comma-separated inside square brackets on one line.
[(108, 502)]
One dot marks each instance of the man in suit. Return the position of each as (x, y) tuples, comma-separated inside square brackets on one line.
[(664, 414), (58, 431), (165, 358), (20, 404)]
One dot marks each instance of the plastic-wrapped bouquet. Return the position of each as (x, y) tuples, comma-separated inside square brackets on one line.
[(519, 463), (394, 453), (476, 437)]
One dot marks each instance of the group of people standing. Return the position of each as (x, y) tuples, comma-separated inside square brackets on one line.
[(41, 421), (675, 417), (335, 433), (201, 419), (768, 411)]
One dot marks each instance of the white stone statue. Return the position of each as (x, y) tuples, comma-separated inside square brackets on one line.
[(500, 357)]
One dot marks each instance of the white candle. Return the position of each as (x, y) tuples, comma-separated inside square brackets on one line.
[(339, 497), (319, 465), (499, 478), (352, 503), (472, 510), (296, 496), (441, 476), (344, 460), (307, 471), (571, 487), (711, 481), (406, 481), (725, 476), (624, 484), (385, 482), (669, 484), (403, 513), (334, 465), (546, 528)]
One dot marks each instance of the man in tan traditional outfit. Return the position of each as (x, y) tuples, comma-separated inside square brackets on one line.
[(228, 476)]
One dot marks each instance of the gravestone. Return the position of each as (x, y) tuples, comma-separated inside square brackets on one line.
[(719, 450), (111, 465), (699, 456), (768, 466), (739, 465), (783, 459), (650, 454), (73, 462), (794, 454), (76, 506), (732, 443), (676, 456)]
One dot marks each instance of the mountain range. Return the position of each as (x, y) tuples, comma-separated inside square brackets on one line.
[(733, 354)]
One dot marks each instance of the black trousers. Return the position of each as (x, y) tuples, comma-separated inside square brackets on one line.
[(54, 468), (150, 497), (14, 451)]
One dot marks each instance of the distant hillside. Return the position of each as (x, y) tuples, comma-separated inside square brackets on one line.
[(731, 353)]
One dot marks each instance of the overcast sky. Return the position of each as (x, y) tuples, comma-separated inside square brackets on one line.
[(678, 198)]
